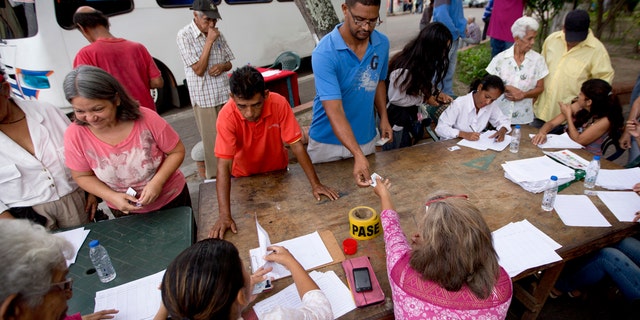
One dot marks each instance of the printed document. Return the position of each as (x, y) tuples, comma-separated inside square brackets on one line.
[(336, 291), (485, 142), (136, 300)]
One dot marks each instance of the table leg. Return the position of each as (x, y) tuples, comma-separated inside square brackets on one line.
[(534, 300)]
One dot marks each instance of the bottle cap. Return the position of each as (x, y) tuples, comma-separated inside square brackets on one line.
[(517, 126), (94, 243), (596, 157), (553, 178)]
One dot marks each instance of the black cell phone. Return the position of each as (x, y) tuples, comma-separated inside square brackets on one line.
[(362, 279)]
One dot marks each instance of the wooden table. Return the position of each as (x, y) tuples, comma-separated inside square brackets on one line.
[(286, 209), (138, 245)]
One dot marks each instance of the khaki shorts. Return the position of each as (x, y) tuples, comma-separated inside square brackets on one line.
[(323, 152)]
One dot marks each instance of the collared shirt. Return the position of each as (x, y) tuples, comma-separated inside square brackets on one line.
[(26, 179), (257, 146), (205, 91), (341, 75), (461, 116), (524, 77), (568, 70)]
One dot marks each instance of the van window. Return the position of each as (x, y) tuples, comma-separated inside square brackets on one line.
[(17, 19), (66, 8)]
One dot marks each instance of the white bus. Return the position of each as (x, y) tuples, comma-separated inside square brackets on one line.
[(38, 41)]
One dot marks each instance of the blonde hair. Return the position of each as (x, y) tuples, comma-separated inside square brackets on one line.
[(456, 247)]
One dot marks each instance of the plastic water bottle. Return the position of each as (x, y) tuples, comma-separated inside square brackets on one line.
[(550, 193), (592, 173), (101, 261), (514, 146)]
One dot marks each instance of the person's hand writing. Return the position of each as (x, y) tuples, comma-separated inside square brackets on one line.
[(220, 227), (539, 138), (102, 314), (361, 171), (320, 189), (471, 136), (149, 193)]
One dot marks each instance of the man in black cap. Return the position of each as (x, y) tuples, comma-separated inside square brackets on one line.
[(207, 58), (573, 56)]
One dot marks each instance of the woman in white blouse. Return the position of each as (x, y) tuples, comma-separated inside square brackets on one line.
[(522, 70)]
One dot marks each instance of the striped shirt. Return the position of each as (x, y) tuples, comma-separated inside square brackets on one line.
[(205, 91)]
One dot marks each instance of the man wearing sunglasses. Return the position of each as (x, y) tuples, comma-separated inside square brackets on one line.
[(350, 67)]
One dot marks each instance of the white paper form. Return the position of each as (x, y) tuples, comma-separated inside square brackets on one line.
[(620, 179), (485, 142), (336, 291), (537, 169), (257, 257), (624, 205), (135, 300), (76, 237), (558, 142), (579, 211), (309, 250), (520, 246)]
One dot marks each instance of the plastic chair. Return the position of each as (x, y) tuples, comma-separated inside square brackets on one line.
[(608, 142), (287, 60)]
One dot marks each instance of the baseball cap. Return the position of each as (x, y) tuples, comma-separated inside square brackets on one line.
[(576, 26), (207, 7)]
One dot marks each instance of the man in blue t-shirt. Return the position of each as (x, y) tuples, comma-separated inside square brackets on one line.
[(350, 67)]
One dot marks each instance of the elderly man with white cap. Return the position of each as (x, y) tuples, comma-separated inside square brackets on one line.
[(573, 56)]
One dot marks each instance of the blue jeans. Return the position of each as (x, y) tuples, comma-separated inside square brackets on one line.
[(447, 86), (498, 46), (621, 263)]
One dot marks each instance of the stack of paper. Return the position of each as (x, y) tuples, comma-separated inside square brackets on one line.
[(336, 291), (532, 174), (520, 246), (76, 237), (558, 142), (621, 179), (485, 142), (139, 299), (579, 211)]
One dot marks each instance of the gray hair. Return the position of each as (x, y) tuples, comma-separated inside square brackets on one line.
[(94, 83), (522, 25), (29, 256)]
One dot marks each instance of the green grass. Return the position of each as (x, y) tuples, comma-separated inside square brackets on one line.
[(471, 65)]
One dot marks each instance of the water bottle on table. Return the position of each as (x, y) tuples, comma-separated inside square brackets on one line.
[(514, 146), (592, 173), (550, 193), (101, 261)]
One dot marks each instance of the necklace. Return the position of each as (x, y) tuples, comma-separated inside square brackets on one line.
[(15, 121)]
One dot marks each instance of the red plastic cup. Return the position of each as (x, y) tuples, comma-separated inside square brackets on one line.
[(350, 246)]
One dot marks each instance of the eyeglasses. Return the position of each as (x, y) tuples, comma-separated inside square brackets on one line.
[(65, 286), (361, 22), (464, 196)]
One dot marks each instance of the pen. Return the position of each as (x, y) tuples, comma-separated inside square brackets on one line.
[(470, 127)]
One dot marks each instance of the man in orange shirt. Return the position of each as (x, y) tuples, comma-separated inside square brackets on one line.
[(252, 129)]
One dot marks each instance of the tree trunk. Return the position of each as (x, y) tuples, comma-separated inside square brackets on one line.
[(320, 16)]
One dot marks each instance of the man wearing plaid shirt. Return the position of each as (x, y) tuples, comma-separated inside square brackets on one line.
[(207, 58)]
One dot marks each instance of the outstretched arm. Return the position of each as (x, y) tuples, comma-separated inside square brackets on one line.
[(305, 162), (223, 191)]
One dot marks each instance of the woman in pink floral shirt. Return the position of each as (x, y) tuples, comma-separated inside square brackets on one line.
[(450, 271)]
